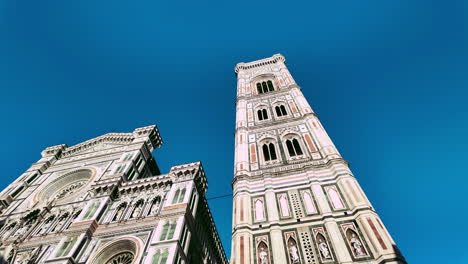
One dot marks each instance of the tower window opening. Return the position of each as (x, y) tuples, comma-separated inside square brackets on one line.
[(294, 148), (265, 87), (269, 152), (262, 114), (270, 86), (280, 110)]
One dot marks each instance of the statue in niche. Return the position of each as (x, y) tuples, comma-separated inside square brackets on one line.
[(154, 208), (263, 256), (137, 210), (293, 252), (357, 245), (324, 249)]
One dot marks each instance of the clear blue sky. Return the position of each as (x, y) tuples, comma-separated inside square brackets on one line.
[(387, 78)]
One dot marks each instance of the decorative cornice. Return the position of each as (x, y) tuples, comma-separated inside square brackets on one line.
[(150, 132), (259, 63)]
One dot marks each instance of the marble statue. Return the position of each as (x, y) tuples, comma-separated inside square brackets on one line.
[(263, 256), (357, 245), (136, 211), (293, 252), (324, 249)]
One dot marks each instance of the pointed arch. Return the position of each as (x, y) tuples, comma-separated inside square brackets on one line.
[(335, 198), (259, 210), (263, 254), (324, 248), (284, 207), (293, 251), (308, 202), (283, 110)]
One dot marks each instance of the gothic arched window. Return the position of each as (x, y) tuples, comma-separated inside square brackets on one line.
[(265, 87), (270, 86), (259, 88), (294, 148), (262, 114), (280, 110), (269, 152)]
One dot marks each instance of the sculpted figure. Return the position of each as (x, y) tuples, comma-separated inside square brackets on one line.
[(154, 208), (263, 256), (324, 249), (137, 210), (293, 253), (357, 245)]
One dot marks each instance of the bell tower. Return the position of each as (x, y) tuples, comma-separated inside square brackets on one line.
[(295, 198)]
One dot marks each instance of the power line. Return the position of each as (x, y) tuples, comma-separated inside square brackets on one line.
[(221, 196)]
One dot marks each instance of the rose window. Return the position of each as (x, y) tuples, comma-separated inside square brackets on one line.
[(122, 258), (66, 187)]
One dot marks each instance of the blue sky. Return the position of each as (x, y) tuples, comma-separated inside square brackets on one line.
[(387, 78)]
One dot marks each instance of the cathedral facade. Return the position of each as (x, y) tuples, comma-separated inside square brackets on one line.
[(104, 201), (295, 199)]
